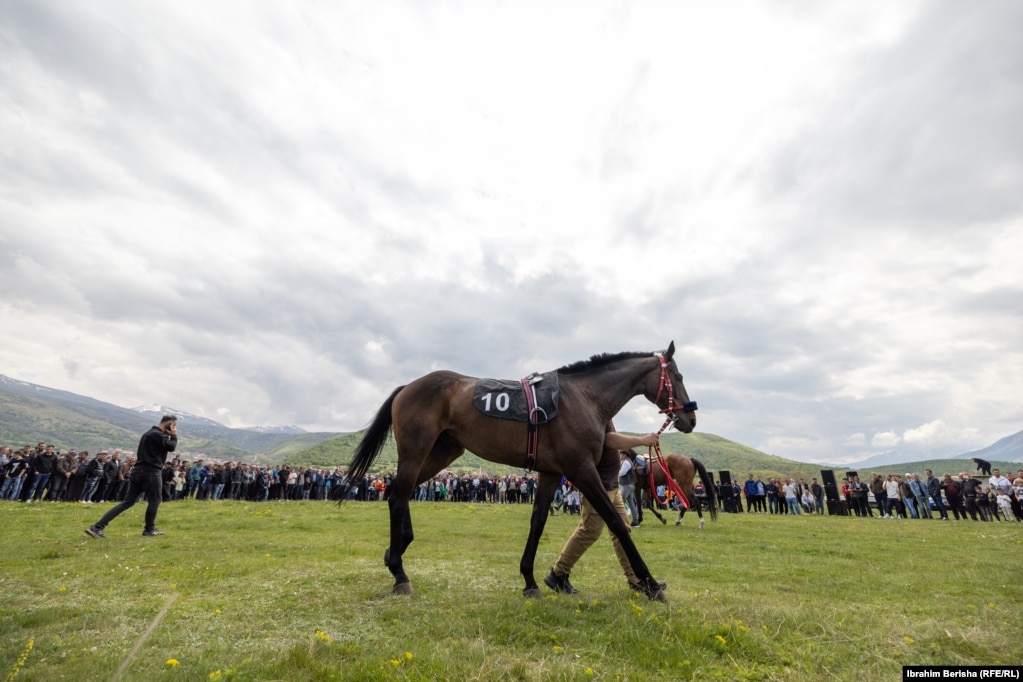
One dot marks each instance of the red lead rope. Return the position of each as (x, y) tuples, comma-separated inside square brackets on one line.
[(654, 455)]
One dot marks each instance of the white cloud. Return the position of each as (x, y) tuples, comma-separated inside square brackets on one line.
[(277, 214)]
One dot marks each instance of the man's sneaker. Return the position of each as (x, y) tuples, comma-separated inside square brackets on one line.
[(559, 583), (152, 533), (95, 532)]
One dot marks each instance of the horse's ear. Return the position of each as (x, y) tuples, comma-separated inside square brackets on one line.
[(670, 352)]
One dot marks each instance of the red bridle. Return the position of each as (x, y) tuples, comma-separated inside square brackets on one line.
[(672, 407), (654, 452)]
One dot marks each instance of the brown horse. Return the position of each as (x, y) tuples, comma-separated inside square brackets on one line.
[(683, 470), (434, 421)]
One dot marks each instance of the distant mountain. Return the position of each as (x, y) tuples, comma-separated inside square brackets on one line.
[(154, 412), (290, 429), (30, 413), (1008, 449)]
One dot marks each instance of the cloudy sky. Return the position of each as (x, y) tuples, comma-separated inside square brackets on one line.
[(271, 213)]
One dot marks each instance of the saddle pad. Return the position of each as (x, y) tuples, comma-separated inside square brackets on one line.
[(505, 399)]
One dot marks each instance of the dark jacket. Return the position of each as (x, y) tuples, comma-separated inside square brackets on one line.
[(154, 446), (94, 468), (110, 468), (44, 463), (971, 487)]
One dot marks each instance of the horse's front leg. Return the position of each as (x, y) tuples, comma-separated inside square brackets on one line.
[(546, 484)]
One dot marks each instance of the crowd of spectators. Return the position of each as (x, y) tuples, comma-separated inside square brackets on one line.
[(41, 473), (913, 496)]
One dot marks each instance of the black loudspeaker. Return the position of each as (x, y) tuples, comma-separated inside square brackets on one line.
[(724, 486), (837, 508), (830, 485)]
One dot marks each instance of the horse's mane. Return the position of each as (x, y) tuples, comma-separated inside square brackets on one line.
[(601, 360)]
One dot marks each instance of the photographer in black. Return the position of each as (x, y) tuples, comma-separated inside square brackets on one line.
[(145, 478)]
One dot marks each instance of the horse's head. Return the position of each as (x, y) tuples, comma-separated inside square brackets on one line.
[(672, 397)]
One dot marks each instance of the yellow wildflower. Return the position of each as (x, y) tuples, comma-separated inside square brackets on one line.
[(173, 662)]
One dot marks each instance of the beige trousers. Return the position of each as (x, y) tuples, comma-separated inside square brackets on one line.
[(588, 531)]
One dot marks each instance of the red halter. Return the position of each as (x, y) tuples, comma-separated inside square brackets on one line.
[(654, 453), (672, 407)]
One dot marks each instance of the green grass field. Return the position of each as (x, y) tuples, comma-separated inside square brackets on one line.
[(298, 591)]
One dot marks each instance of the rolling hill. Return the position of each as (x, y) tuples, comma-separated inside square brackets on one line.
[(30, 413)]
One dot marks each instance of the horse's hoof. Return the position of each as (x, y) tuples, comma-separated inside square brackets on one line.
[(701, 524), (402, 588), (659, 596), (532, 593), (678, 523), (663, 522)]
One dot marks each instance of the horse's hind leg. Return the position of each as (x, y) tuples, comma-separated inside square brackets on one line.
[(401, 538), (411, 472), (546, 484)]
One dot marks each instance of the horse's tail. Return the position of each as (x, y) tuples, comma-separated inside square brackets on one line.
[(708, 486), (369, 447)]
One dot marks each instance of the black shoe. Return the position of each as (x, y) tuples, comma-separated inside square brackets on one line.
[(95, 532), (559, 583), (151, 533)]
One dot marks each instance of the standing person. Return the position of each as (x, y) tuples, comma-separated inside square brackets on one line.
[(919, 489), (934, 490), (43, 467), (908, 501), (970, 489), (999, 483), (847, 492), (791, 496), (859, 493), (953, 493), (880, 493), (590, 523), (66, 465), (145, 479), (93, 474), (121, 484), (627, 484), (749, 489), (105, 491), (893, 502), (14, 473), (818, 495), (76, 486), (771, 490)]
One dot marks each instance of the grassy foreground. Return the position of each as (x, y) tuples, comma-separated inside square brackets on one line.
[(298, 591)]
